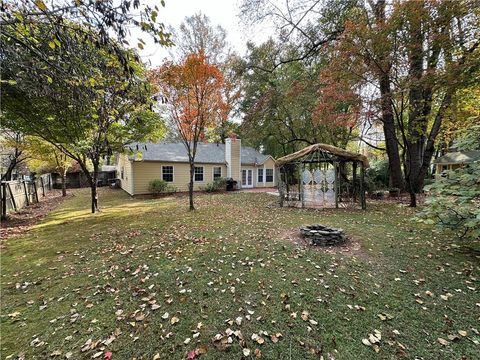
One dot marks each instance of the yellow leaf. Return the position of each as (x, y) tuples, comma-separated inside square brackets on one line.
[(41, 5), (51, 44)]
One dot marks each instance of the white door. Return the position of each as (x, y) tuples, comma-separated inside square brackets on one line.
[(247, 178)]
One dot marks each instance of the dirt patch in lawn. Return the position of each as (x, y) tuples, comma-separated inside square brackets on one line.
[(350, 248), (20, 222)]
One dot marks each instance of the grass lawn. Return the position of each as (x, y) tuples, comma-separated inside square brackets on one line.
[(146, 279)]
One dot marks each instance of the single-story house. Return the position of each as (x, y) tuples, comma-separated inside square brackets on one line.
[(169, 161), (455, 159)]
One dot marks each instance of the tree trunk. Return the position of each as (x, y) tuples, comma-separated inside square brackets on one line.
[(93, 186), (391, 144), (190, 185), (430, 144), (64, 183), (413, 199), (417, 120), (389, 131)]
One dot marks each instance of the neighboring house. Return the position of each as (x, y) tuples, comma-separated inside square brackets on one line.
[(75, 178), (169, 161), (455, 159)]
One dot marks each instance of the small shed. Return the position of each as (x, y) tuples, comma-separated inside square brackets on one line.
[(322, 176), (455, 159)]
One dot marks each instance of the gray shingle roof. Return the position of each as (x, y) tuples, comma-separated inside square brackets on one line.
[(459, 157), (207, 153), (252, 156)]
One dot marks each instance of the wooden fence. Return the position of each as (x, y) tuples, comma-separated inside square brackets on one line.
[(17, 194)]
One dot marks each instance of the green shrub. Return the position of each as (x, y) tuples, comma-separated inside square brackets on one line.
[(453, 201), (216, 185), (210, 187), (157, 186), (221, 183), (377, 176)]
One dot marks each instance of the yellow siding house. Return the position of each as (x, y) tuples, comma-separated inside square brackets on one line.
[(169, 161)]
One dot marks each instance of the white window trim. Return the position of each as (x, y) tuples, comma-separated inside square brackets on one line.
[(173, 173), (273, 175), (203, 174), (213, 172), (263, 175)]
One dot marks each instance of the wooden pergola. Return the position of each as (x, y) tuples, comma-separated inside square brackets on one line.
[(322, 175)]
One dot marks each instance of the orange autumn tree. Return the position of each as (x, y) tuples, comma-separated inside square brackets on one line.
[(338, 106), (194, 95)]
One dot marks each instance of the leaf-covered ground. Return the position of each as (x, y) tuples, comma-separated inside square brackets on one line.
[(147, 279)]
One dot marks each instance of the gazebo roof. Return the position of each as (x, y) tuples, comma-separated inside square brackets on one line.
[(342, 153)]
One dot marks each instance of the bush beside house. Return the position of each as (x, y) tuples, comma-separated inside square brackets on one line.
[(158, 186), (216, 185)]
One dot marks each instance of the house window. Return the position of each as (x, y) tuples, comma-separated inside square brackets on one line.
[(260, 176), (167, 173), (269, 175), (121, 173), (198, 173), (217, 172)]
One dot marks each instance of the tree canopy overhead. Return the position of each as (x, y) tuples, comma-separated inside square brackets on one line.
[(196, 34), (88, 114), (110, 20)]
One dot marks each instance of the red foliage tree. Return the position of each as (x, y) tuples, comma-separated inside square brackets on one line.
[(194, 92)]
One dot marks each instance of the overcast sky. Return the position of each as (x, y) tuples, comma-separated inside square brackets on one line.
[(221, 12)]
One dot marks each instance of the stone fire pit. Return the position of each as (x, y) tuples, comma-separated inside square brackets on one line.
[(323, 235)]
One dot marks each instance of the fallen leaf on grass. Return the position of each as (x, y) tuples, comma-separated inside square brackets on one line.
[(222, 342), (443, 342), (275, 337), (385, 316), (260, 340)]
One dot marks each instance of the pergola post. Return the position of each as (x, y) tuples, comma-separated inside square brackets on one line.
[(354, 168), (299, 173), (302, 188), (281, 193), (336, 169)]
